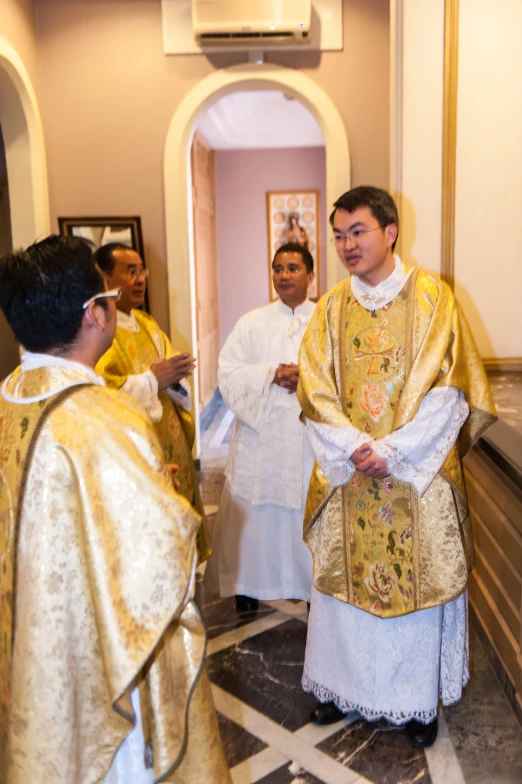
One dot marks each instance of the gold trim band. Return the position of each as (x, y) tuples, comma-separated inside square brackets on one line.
[(449, 138)]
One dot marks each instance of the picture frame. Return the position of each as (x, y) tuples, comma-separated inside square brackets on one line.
[(98, 231), (294, 216)]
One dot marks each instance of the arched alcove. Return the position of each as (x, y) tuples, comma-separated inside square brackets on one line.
[(178, 195), (24, 150)]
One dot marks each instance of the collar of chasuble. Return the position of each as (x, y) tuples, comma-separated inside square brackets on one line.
[(41, 376)]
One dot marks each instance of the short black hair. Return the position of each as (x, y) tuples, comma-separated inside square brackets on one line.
[(378, 201), (43, 288), (294, 247), (104, 256)]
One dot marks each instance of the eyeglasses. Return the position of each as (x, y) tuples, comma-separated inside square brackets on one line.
[(115, 293), (358, 234), (132, 276)]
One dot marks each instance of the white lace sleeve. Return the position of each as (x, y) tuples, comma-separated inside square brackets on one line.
[(332, 447), (416, 452), (243, 382), (144, 388), (180, 395)]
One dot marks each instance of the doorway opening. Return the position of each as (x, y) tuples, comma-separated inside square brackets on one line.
[(258, 181), (178, 182), (9, 356), (24, 207)]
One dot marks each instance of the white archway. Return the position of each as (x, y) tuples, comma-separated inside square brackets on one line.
[(24, 150), (178, 185)]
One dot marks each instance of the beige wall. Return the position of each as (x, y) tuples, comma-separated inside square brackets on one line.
[(17, 24), (108, 93), (488, 229)]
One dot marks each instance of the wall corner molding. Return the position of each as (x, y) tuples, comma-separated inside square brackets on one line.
[(449, 143)]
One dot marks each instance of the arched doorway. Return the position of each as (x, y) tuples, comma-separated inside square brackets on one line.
[(25, 184), (24, 150), (178, 195)]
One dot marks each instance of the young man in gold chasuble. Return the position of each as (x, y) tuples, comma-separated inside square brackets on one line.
[(393, 394), (141, 363)]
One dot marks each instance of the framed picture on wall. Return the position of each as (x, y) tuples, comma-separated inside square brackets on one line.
[(102, 231), (293, 216)]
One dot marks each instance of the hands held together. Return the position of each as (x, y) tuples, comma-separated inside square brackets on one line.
[(366, 461), (287, 377), (172, 371)]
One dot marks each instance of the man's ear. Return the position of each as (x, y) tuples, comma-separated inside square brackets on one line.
[(391, 232), (95, 317)]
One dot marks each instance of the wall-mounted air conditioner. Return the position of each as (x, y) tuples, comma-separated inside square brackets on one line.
[(258, 22)]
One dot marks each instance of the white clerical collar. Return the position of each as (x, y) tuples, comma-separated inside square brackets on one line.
[(127, 321), (300, 310), (374, 297), (80, 374)]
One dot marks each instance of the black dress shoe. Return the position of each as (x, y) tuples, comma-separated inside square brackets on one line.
[(422, 736), (326, 713), (246, 604)]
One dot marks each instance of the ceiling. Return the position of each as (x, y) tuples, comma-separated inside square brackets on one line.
[(259, 119)]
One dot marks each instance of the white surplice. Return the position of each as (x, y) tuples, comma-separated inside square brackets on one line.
[(396, 668), (257, 539)]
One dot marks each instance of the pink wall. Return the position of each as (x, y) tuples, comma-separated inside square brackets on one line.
[(242, 179)]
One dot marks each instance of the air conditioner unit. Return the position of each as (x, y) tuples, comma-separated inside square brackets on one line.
[(258, 22)]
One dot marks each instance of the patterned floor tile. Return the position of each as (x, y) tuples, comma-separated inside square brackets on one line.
[(379, 751), (265, 672), (239, 744), (290, 774)]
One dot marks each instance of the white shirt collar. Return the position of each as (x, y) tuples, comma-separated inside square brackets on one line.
[(375, 297), (301, 310), (127, 321)]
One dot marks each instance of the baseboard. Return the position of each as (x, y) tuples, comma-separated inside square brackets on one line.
[(494, 659), (498, 365)]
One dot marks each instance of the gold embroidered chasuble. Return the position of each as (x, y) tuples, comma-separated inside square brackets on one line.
[(96, 576), (133, 353), (376, 544)]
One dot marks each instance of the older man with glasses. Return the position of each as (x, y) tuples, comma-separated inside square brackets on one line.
[(141, 363), (97, 555)]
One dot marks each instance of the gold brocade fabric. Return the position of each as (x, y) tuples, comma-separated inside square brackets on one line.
[(133, 353), (375, 544), (101, 566)]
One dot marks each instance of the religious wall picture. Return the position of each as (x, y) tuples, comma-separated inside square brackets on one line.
[(293, 216), (101, 231)]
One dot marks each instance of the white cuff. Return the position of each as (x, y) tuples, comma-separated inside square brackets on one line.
[(143, 387), (184, 401), (332, 447)]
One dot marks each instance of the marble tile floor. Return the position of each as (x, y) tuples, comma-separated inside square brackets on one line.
[(255, 663)]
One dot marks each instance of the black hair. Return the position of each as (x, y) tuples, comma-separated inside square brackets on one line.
[(43, 288), (294, 247), (104, 256), (378, 201)]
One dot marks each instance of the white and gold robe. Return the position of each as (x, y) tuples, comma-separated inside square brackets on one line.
[(392, 667), (98, 564)]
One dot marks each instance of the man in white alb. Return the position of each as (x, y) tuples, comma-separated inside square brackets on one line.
[(258, 548)]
